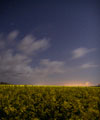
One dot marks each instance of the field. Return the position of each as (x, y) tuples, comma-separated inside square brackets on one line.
[(49, 103)]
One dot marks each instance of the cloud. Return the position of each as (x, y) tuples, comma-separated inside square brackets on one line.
[(47, 71), (13, 35), (80, 52), (88, 65), (29, 45), (17, 69), (51, 64), (51, 67), (2, 44), (16, 62), (14, 67), (6, 40)]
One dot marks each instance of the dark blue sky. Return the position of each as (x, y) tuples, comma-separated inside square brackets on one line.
[(66, 40)]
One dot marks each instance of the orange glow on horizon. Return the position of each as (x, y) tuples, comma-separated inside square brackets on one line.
[(78, 84)]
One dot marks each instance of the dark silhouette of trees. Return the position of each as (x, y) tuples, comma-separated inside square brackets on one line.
[(4, 83)]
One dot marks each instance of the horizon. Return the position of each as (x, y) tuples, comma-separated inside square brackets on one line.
[(64, 85)]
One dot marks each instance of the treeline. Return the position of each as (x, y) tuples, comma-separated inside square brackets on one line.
[(4, 83), (98, 85)]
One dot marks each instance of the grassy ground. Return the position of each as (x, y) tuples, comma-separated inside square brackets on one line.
[(22, 102)]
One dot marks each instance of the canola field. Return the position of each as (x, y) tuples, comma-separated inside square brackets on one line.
[(49, 103)]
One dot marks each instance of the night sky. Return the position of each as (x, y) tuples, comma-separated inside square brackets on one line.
[(50, 42)]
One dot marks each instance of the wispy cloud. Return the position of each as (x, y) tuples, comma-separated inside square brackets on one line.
[(30, 45), (15, 64), (2, 44), (13, 35), (80, 52), (52, 66), (88, 65), (2, 41), (17, 69)]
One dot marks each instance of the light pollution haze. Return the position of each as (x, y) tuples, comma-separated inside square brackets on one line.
[(50, 42)]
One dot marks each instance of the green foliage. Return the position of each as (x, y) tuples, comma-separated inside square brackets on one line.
[(49, 103)]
